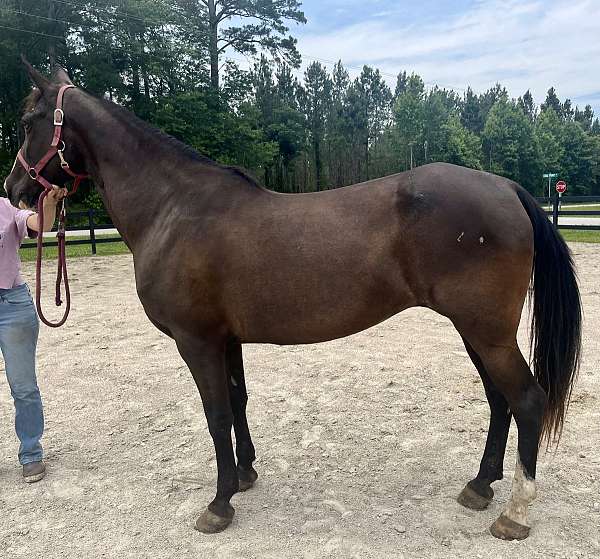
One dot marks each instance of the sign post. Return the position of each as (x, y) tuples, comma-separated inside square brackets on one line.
[(550, 176), (561, 186)]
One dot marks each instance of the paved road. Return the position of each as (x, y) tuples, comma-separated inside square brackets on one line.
[(578, 220), (561, 220), (84, 233)]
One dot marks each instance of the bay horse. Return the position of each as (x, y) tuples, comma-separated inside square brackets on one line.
[(221, 261)]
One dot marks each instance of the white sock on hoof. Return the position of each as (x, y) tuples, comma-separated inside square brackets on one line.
[(522, 494)]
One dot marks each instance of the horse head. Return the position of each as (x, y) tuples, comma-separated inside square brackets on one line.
[(44, 125)]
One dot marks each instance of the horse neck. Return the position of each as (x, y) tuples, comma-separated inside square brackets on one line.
[(138, 175)]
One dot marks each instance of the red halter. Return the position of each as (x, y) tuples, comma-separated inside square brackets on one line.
[(54, 149), (57, 147)]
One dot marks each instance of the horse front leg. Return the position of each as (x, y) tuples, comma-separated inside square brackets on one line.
[(206, 361), (239, 398)]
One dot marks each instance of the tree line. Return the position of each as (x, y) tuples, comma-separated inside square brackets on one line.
[(174, 64)]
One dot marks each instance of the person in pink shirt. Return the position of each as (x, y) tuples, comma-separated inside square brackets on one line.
[(19, 329)]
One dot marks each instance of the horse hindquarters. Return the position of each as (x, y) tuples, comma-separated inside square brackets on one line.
[(538, 402)]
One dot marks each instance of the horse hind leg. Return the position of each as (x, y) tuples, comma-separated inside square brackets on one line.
[(238, 396), (478, 493), (526, 399)]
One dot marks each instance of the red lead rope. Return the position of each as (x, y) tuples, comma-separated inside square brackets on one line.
[(62, 264)]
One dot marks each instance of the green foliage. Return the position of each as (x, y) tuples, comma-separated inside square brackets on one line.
[(409, 118), (463, 147), (93, 200), (247, 27), (509, 139), (553, 103), (210, 127), (167, 61), (577, 161)]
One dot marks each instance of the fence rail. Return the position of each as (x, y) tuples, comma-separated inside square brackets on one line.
[(557, 203), (94, 220), (90, 226)]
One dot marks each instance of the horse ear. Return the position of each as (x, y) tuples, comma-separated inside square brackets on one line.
[(60, 76), (40, 81)]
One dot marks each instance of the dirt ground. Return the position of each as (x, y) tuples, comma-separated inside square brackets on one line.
[(363, 443)]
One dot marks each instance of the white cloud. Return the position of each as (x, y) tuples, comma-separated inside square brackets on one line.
[(523, 44)]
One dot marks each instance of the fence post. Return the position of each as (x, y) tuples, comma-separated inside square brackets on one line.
[(555, 210), (92, 231)]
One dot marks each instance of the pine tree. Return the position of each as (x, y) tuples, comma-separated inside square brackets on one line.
[(401, 83), (408, 117), (461, 146), (257, 24), (552, 102), (317, 86), (549, 133), (567, 110), (512, 146), (527, 105), (585, 117), (471, 117), (376, 99)]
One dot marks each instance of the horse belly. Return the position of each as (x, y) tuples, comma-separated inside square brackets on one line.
[(310, 315)]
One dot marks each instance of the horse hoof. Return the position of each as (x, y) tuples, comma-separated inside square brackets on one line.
[(246, 478), (211, 523), (506, 529), (470, 499)]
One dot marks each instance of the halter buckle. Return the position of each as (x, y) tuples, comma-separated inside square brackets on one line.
[(59, 116), (33, 174)]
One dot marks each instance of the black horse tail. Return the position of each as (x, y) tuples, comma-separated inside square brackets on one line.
[(557, 317)]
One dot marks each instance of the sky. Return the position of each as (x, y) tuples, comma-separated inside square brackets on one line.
[(523, 44)]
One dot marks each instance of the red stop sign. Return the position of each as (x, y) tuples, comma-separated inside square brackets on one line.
[(561, 186)]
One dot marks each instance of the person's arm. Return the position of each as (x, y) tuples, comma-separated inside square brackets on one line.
[(50, 202)]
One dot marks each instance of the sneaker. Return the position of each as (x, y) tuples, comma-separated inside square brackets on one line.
[(34, 471)]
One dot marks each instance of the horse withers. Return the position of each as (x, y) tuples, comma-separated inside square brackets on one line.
[(220, 261)]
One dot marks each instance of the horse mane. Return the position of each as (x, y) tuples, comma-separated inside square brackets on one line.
[(178, 145)]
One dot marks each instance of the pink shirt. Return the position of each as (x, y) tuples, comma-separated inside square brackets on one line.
[(13, 229)]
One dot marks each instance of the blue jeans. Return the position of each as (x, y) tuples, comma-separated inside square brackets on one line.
[(19, 329)]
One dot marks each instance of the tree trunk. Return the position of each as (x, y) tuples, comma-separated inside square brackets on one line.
[(318, 165), (367, 158), (52, 40), (213, 48)]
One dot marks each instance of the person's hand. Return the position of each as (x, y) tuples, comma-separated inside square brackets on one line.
[(56, 195)]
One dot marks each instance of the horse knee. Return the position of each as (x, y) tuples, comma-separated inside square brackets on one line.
[(219, 424)]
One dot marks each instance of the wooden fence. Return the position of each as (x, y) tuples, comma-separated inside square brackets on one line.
[(87, 223), (557, 210)]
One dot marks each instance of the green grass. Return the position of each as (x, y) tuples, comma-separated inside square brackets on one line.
[(109, 249), (578, 207), (574, 236), (104, 249), (582, 208)]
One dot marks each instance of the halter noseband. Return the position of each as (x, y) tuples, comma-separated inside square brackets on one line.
[(57, 147)]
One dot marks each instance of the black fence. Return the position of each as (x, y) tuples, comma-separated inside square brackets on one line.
[(87, 223), (557, 204)]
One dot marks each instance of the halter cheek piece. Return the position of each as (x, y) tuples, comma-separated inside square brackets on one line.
[(57, 147)]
